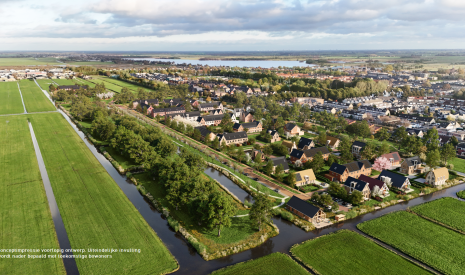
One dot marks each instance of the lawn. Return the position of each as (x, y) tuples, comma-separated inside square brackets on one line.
[(45, 83), (447, 210), (27, 61), (96, 213), (276, 263), (459, 164), (108, 85), (63, 82), (10, 99), (25, 218), (432, 244), (34, 99), (346, 252), (81, 81), (121, 83)]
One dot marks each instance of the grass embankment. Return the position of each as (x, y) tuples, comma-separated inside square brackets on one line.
[(428, 242), (45, 83), (273, 264), (95, 211), (10, 99), (355, 254), (25, 218), (459, 164), (447, 210), (34, 99)]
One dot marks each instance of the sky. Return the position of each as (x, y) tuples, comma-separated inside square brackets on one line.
[(238, 25)]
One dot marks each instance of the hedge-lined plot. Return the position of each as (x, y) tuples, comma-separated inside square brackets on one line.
[(276, 263), (447, 210), (10, 99), (25, 219), (346, 252), (439, 247), (34, 99), (95, 211)]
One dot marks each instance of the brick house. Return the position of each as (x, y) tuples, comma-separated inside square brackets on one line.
[(291, 129), (251, 127), (307, 155), (274, 136), (339, 172), (305, 210), (233, 138), (305, 143), (167, 111), (411, 166), (204, 132), (246, 117), (393, 157), (352, 184)]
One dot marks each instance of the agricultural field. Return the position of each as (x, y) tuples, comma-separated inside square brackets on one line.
[(10, 98), (34, 99), (355, 254), (428, 242), (63, 82), (28, 61), (96, 213), (447, 210), (459, 164), (25, 217), (45, 83), (108, 85), (81, 81), (276, 263), (122, 83)]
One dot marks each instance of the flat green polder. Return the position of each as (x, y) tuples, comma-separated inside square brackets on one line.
[(45, 83), (273, 264), (448, 211), (437, 246), (63, 82), (34, 98), (10, 99), (346, 252), (96, 213), (25, 219)]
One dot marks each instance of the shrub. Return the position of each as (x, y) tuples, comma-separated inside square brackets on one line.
[(287, 216), (173, 223), (351, 214)]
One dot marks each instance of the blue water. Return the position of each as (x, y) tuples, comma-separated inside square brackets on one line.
[(234, 63)]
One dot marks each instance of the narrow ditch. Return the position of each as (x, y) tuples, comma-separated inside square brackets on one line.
[(22, 100), (63, 240)]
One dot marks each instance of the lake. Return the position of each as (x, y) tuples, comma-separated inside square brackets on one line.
[(234, 63)]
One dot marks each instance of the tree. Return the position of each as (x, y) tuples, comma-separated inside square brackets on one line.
[(431, 139), (376, 191), (316, 164), (215, 143), (279, 169), (356, 197), (258, 158), (399, 135), (197, 135), (322, 138), (454, 141), (433, 158), (447, 153), (381, 164), (345, 148), (384, 149), (291, 179), (383, 134), (219, 210), (261, 210), (368, 152), (267, 150), (331, 159), (103, 127), (269, 168), (240, 154)]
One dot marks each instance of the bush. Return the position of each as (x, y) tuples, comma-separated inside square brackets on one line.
[(287, 215), (173, 223), (451, 166), (453, 172), (351, 214), (142, 189)]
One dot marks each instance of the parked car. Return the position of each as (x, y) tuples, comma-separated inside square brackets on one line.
[(255, 179), (245, 174)]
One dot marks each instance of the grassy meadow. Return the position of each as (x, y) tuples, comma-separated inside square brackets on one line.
[(108, 85), (63, 82), (25, 218), (45, 83), (273, 264), (34, 98), (10, 99), (439, 247), (96, 213), (447, 210), (459, 164), (29, 61), (122, 83)]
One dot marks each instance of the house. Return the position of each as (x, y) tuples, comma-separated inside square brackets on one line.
[(255, 153), (304, 177), (393, 157), (215, 112), (305, 143), (233, 138), (352, 184), (307, 155), (437, 177), (192, 116), (247, 117), (205, 133), (332, 142), (214, 120), (383, 189), (305, 210), (357, 148), (280, 161), (148, 108), (411, 166), (145, 101), (415, 132), (291, 129), (210, 106), (274, 136), (340, 172), (394, 179), (167, 111), (251, 127), (290, 145), (460, 149)]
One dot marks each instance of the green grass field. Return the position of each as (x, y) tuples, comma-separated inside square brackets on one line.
[(25, 218), (108, 85), (121, 83), (346, 252), (10, 99), (273, 264), (34, 98), (96, 213), (63, 82), (81, 81), (123, 161), (27, 61), (447, 210), (45, 83), (459, 164), (439, 247)]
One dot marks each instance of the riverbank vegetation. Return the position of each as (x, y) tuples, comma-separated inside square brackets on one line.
[(34, 99), (10, 99), (24, 212)]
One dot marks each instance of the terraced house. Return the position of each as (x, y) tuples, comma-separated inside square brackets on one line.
[(233, 138), (167, 111), (307, 155), (251, 127), (210, 106), (340, 172)]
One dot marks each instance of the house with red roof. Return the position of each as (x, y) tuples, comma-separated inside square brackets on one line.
[(372, 183)]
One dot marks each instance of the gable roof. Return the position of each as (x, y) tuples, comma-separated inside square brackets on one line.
[(396, 179), (300, 176), (251, 124), (359, 185), (290, 126), (236, 126), (357, 165), (162, 110), (372, 181), (272, 132), (312, 152), (208, 105), (280, 160), (337, 168), (413, 161), (232, 136), (304, 142), (332, 140), (203, 131), (439, 172), (297, 154), (303, 206), (393, 155), (359, 143)]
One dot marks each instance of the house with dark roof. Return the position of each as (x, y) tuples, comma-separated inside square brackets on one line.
[(214, 120), (357, 148), (167, 111), (305, 143), (394, 179), (307, 155), (291, 129), (377, 187), (274, 136), (215, 112), (233, 138), (290, 145), (246, 117), (332, 142), (305, 210), (340, 172), (393, 157), (280, 161), (204, 132), (412, 166), (210, 106), (251, 127), (352, 184), (460, 149)]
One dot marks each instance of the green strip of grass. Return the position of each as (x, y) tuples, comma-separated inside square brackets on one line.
[(10, 99), (25, 218), (346, 252), (108, 85), (95, 211), (64, 82), (459, 164), (276, 263), (430, 243), (447, 210), (34, 98), (45, 83)]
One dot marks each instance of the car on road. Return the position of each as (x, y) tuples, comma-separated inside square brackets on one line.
[(245, 174), (255, 179)]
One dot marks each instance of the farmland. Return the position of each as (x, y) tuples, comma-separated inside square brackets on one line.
[(45, 83), (122, 83), (108, 85), (10, 99), (81, 81), (276, 263), (34, 98), (27, 61), (64, 82), (96, 213), (430, 243), (355, 254), (448, 211), (25, 217)]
